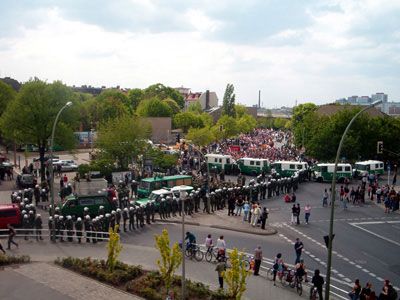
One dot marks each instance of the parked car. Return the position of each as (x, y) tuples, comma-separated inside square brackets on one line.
[(67, 165), (26, 181), (9, 214)]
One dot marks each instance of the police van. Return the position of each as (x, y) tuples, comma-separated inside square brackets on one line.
[(324, 172), (368, 167), (253, 166), (218, 162), (288, 168)]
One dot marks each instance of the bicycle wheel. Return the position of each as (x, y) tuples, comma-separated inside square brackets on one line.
[(246, 264), (299, 288), (198, 255), (188, 253), (209, 256), (283, 279), (270, 274)]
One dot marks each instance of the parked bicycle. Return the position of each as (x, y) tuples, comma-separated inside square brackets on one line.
[(193, 251)]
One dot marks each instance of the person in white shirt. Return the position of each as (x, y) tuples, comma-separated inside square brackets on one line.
[(221, 246), (209, 242)]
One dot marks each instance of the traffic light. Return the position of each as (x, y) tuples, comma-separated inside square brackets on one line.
[(326, 239), (178, 138), (379, 148)]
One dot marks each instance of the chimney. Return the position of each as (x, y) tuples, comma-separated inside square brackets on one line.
[(208, 99), (259, 99)]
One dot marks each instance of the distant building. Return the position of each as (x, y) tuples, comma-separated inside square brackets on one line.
[(389, 108), (206, 99), (160, 129), (331, 109), (88, 89)]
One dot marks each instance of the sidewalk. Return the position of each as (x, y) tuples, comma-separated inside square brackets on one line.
[(43, 280), (258, 288), (221, 220)]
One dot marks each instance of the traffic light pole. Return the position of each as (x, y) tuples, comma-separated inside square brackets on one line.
[(333, 198)]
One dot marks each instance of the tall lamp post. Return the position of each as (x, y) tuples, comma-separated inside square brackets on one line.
[(333, 196), (51, 170)]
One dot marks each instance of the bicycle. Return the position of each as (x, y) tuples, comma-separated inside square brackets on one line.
[(314, 293), (194, 251), (281, 275), (212, 252), (297, 283)]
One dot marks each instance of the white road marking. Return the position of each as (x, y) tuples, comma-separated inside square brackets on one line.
[(374, 234)]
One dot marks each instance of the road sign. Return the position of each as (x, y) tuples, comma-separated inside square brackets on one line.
[(379, 147)]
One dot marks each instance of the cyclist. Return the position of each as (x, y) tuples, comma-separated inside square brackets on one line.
[(191, 241), (300, 271), (221, 246), (318, 282), (278, 267), (209, 243)]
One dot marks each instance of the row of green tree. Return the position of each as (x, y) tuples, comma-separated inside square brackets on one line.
[(320, 134)]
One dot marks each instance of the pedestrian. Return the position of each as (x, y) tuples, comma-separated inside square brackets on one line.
[(221, 268), (307, 212), (38, 227), (221, 246), (325, 198), (278, 266), (264, 217), (298, 247), (298, 214), (354, 294), (293, 215), (255, 215), (11, 234), (388, 292), (246, 209), (257, 260), (318, 282), (366, 291), (2, 249)]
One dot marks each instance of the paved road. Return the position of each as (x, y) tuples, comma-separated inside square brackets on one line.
[(365, 245)]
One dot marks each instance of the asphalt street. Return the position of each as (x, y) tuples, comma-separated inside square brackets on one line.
[(370, 254)]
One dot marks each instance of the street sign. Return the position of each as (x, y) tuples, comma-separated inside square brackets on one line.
[(379, 147)]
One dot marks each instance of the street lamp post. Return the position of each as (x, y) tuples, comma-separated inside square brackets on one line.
[(51, 171), (333, 196), (183, 195)]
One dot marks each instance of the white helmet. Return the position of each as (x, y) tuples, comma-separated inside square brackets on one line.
[(118, 210), (69, 217), (86, 208), (79, 219), (38, 215), (87, 217), (126, 209)]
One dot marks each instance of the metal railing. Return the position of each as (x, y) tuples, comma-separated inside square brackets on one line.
[(61, 233)]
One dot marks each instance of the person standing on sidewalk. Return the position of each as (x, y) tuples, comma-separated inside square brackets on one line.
[(318, 282), (293, 216), (264, 217), (257, 260), (298, 214), (11, 234), (221, 268), (307, 212), (246, 209), (298, 247)]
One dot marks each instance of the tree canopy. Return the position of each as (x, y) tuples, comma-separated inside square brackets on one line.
[(228, 104), (7, 94), (163, 92), (29, 118), (122, 139), (154, 108)]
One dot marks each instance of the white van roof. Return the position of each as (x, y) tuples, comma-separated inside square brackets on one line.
[(369, 162), (289, 162), (255, 159), (332, 164), (218, 155)]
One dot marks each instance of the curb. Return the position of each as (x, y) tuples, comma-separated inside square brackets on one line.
[(271, 231)]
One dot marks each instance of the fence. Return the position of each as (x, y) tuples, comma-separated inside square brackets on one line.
[(37, 233)]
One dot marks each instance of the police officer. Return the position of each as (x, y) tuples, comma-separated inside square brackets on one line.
[(101, 211), (125, 217), (94, 227), (36, 193), (132, 213), (78, 229), (152, 210), (174, 206), (113, 219), (38, 227), (147, 212), (26, 226), (118, 218), (161, 208), (88, 227), (69, 225), (141, 214), (61, 227)]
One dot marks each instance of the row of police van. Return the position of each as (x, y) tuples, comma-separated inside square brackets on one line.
[(320, 171)]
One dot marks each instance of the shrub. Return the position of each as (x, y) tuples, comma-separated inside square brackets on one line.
[(8, 260), (150, 294)]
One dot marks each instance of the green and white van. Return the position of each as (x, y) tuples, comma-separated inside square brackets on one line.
[(288, 168), (253, 166), (218, 162), (369, 167), (324, 172)]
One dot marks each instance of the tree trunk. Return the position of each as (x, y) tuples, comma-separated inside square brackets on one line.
[(42, 151)]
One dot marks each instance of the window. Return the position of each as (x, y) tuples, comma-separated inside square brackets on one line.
[(251, 163), (228, 161), (99, 201), (156, 185), (376, 166), (324, 169), (292, 167), (215, 159), (220, 160), (257, 163), (381, 165), (187, 181), (8, 213), (299, 167), (86, 202), (170, 184), (179, 182), (144, 185), (339, 168), (347, 169)]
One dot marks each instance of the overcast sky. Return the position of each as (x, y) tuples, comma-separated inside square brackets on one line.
[(313, 50)]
